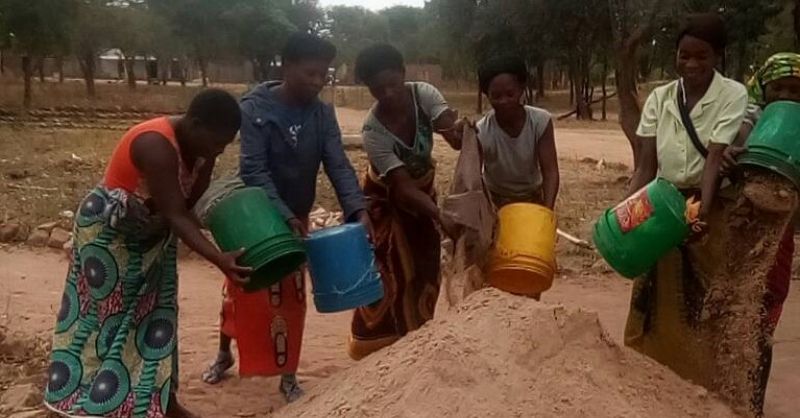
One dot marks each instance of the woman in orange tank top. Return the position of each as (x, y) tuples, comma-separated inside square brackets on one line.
[(115, 347)]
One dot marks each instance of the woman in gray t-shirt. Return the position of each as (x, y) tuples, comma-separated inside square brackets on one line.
[(520, 159), (398, 138)]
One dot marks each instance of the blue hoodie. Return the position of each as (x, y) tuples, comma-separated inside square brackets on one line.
[(287, 170)]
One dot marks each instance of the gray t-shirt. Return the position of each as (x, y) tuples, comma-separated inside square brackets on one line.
[(511, 165), (387, 152)]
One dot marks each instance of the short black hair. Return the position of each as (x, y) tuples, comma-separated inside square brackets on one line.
[(507, 64), (708, 27), (216, 110), (377, 58), (303, 46)]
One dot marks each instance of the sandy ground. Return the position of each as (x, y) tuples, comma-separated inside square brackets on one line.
[(608, 144), (31, 283)]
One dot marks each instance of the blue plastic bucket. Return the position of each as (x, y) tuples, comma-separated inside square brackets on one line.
[(343, 269)]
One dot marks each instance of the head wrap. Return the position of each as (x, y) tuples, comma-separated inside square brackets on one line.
[(785, 64)]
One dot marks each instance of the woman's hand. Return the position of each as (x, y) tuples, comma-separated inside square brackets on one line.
[(363, 218), (450, 127), (298, 227), (450, 229), (729, 159), (226, 262)]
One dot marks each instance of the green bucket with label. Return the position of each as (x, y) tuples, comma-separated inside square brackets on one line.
[(638, 232), (774, 143)]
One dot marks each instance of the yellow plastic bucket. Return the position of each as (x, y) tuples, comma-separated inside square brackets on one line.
[(523, 259)]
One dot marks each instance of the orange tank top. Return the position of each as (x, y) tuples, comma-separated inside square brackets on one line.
[(122, 173)]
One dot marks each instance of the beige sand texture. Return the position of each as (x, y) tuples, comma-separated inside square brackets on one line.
[(500, 355)]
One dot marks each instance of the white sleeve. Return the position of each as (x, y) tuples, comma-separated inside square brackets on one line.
[(431, 100)]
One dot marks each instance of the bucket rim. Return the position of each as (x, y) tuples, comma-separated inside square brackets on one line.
[(332, 302), (772, 163), (516, 205), (257, 263)]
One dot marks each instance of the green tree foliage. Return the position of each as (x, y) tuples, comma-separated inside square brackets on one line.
[(305, 15), (91, 33), (35, 29), (353, 28), (137, 33), (200, 26), (405, 25), (260, 29), (586, 40)]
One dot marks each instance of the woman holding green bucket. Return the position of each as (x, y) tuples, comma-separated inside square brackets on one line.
[(115, 346), (777, 80), (684, 129)]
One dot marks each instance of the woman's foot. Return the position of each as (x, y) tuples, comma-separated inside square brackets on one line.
[(290, 388), (176, 410), (216, 371)]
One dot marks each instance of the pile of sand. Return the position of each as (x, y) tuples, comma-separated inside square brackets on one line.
[(500, 355)]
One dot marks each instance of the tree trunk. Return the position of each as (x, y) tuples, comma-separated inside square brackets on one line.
[(27, 73), (256, 69), (584, 93), (130, 71), (628, 40), (2, 62), (540, 80), (86, 61), (40, 69), (184, 68), (630, 110), (605, 89), (480, 102), (60, 67), (741, 62), (571, 89), (164, 68), (203, 63), (797, 24)]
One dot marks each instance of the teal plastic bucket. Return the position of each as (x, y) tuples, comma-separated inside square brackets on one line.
[(774, 143), (344, 273), (247, 219), (638, 232)]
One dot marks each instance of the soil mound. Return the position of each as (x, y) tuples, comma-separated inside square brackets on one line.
[(500, 355)]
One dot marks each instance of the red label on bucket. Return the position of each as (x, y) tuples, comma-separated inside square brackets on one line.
[(634, 211)]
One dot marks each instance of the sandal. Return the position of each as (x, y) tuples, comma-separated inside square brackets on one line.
[(216, 371), (290, 388)]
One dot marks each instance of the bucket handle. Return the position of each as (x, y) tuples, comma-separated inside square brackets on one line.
[(372, 269)]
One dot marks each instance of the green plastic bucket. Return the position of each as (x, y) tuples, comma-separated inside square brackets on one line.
[(774, 144), (247, 219), (638, 232)]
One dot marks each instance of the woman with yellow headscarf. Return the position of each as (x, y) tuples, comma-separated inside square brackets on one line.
[(777, 80)]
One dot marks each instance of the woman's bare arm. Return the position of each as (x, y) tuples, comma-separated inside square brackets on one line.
[(548, 161), (157, 159), (648, 165)]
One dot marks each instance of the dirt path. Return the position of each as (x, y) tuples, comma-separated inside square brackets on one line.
[(30, 289), (572, 142)]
